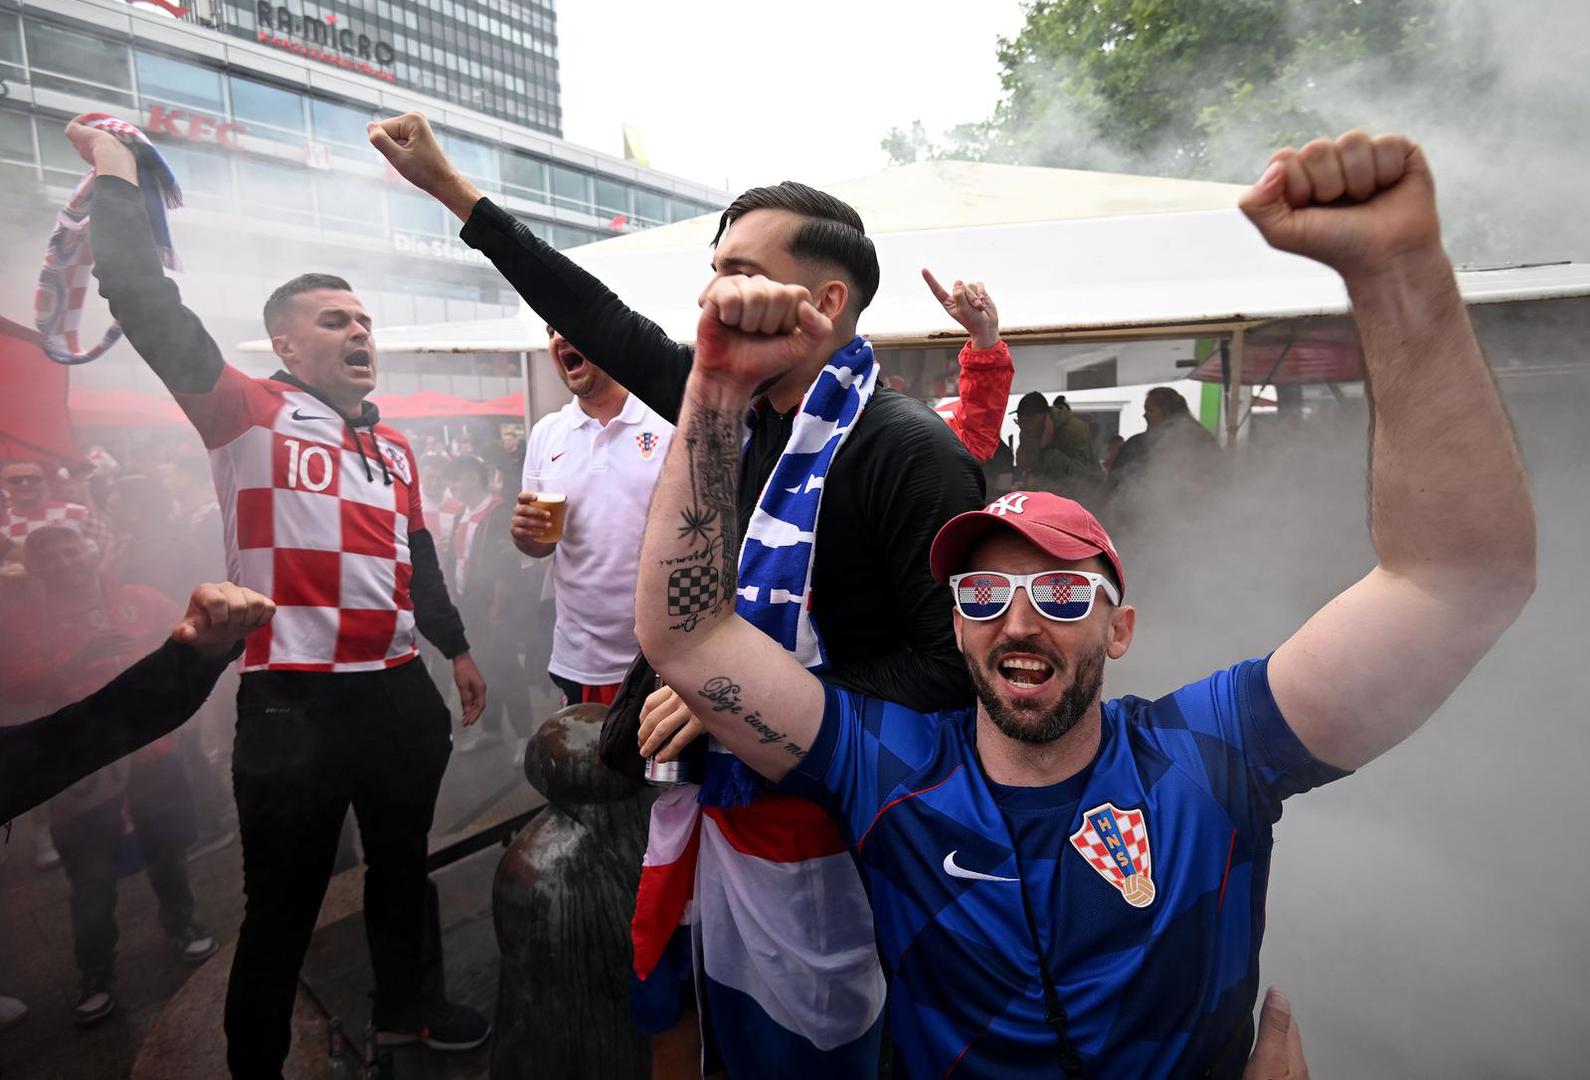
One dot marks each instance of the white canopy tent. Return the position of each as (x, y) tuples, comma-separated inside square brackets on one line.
[(1068, 255)]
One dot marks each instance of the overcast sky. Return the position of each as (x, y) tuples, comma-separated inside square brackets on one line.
[(743, 93)]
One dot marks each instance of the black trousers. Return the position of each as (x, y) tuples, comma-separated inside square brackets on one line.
[(309, 745)]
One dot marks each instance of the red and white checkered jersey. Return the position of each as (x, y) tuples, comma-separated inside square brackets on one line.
[(19, 525), (308, 526)]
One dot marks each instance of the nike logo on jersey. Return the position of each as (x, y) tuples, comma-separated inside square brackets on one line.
[(971, 875), (559, 454), (297, 415)]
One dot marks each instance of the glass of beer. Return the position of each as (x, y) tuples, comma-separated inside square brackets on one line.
[(555, 503)]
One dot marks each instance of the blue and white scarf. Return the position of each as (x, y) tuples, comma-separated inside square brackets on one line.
[(781, 540), (65, 279)]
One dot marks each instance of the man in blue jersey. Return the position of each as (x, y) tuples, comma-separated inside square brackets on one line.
[(1063, 884)]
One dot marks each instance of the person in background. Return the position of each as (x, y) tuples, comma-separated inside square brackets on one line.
[(1056, 450), (85, 631), (484, 565), (323, 511), (602, 451), (31, 506), (1175, 448)]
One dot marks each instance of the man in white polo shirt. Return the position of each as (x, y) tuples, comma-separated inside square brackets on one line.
[(603, 450)]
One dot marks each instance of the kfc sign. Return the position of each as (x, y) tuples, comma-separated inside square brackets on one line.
[(192, 126), (324, 40)]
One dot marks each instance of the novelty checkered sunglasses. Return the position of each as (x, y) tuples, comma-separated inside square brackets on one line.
[(1061, 595)]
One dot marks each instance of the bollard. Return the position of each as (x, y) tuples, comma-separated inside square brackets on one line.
[(562, 901)]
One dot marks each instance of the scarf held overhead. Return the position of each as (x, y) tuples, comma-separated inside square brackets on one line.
[(65, 278)]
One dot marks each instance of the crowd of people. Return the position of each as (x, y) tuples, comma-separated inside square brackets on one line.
[(909, 807)]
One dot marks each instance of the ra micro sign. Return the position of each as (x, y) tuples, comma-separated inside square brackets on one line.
[(325, 40)]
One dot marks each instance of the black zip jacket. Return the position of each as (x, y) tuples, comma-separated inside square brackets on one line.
[(42, 758), (175, 345), (900, 475)]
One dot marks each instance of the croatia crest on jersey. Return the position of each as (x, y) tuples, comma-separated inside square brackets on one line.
[(1115, 843), (647, 441)]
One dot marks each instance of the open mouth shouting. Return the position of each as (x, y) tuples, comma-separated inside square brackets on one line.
[(573, 362), (358, 362), (1025, 674)]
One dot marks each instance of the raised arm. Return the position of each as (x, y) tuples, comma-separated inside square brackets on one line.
[(986, 367), (749, 693), (629, 347), (151, 698), (1451, 517), (169, 337)]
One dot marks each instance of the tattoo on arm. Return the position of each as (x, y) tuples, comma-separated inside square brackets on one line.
[(724, 693), (697, 588)]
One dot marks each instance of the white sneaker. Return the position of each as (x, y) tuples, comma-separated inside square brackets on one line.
[(12, 1012)]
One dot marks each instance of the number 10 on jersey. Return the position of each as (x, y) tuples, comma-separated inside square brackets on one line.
[(308, 467)]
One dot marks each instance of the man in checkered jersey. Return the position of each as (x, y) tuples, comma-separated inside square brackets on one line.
[(1064, 884), (322, 513)]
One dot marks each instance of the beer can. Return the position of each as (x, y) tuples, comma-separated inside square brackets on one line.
[(666, 773)]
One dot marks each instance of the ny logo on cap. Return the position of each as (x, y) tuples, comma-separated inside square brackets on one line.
[(1008, 504)]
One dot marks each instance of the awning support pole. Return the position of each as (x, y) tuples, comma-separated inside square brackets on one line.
[(1233, 368)]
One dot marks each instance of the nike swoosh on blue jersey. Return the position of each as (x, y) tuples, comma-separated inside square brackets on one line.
[(956, 871)]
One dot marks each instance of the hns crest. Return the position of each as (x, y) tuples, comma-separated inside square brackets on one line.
[(1115, 843), (648, 442)]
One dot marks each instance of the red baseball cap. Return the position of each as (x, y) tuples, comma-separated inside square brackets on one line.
[(1062, 527)]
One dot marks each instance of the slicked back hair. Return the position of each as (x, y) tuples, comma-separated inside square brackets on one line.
[(830, 231), (279, 300)]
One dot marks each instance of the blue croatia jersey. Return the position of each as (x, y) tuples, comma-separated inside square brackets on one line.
[(1146, 875)]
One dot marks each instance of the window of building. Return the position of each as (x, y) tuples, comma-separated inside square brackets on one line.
[(341, 126), (173, 82), (16, 137), (611, 197), (571, 190), (278, 192), (11, 48), (351, 206), (58, 155), (524, 176), (206, 177), (270, 113), (64, 60), (416, 213), (651, 206), (474, 159)]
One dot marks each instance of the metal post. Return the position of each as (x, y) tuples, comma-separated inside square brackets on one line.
[(1233, 383)]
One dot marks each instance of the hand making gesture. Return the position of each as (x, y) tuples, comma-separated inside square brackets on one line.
[(970, 305), (752, 330)]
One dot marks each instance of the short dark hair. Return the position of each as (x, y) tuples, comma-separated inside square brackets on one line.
[(1169, 400), (831, 231), (1032, 403), (469, 463), (277, 304)]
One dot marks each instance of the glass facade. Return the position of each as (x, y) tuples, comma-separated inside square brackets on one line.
[(499, 57), (272, 131)]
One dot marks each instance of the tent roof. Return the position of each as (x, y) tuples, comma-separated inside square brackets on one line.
[(1065, 254)]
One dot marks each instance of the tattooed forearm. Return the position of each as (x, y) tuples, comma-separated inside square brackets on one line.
[(724, 693), (704, 584)]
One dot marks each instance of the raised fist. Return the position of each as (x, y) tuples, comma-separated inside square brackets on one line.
[(95, 145), (219, 616), (752, 330), (1355, 204), (969, 304), (409, 144)]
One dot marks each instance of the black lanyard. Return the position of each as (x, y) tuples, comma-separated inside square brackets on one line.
[(1054, 1013)]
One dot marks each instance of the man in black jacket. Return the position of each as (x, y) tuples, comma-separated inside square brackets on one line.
[(884, 622), (901, 473), (323, 512)]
